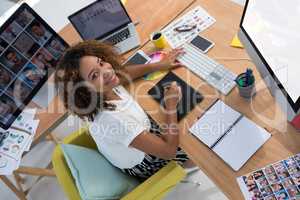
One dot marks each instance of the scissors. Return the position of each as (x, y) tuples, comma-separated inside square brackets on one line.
[(185, 28)]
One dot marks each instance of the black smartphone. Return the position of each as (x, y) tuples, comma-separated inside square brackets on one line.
[(202, 43)]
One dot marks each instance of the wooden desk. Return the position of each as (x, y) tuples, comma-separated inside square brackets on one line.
[(281, 145), (263, 110), (151, 15)]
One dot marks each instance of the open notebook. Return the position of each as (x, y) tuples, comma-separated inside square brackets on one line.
[(232, 136)]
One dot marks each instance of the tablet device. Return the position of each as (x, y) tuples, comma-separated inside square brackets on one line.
[(190, 97), (138, 58)]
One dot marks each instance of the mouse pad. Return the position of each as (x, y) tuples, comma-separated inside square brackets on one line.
[(190, 97)]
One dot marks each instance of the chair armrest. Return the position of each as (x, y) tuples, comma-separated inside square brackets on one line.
[(62, 171), (158, 185), (63, 174)]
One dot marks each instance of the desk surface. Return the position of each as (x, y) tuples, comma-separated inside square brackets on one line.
[(263, 109)]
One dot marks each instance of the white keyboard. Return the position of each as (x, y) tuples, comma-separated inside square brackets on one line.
[(206, 68)]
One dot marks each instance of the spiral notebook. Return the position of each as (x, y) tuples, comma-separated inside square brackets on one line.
[(228, 133)]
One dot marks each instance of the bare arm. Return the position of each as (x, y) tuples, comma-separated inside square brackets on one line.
[(132, 72), (166, 146)]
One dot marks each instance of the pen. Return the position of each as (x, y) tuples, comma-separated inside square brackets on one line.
[(248, 76), (185, 28)]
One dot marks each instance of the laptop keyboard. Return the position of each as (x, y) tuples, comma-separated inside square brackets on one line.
[(119, 37)]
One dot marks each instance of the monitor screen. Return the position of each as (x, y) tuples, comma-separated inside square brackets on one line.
[(273, 28), (100, 19), (29, 52)]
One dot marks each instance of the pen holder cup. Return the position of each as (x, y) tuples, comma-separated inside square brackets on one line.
[(159, 40), (246, 91)]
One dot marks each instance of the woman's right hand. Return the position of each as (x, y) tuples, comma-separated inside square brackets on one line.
[(172, 96)]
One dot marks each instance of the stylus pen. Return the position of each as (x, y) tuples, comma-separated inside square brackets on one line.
[(136, 23), (19, 129)]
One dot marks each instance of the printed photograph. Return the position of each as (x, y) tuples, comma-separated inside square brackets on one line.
[(258, 174), (296, 179), (44, 60), (3, 45), (12, 60), (287, 182), (24, 18), (282, 195), (271, 197), (293, 192), (266, 191), (38, 32), (297, 158), (273, 178), (11, 32), (276, 187), (262, 182), (55, 47), (19, 91), (32, 75), (7, 108), (269, 170), (250, 182), (26, 45), (5, 77)]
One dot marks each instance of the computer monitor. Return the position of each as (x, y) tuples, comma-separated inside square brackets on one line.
[(100, 19), (29, 52), (269, 31)]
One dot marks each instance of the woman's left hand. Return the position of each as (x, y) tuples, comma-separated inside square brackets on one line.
[(169, 61)]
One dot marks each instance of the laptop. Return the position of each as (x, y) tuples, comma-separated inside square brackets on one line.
[(107, 21)]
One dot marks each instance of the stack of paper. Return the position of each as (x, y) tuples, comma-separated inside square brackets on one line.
[(198, 18), (16, 140)]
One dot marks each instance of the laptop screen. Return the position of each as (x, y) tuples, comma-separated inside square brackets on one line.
[(100, 19)]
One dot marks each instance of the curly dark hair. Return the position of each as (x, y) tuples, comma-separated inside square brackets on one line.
[(74, 91)]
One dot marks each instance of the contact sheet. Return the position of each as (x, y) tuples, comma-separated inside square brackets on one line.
[(278, 181)]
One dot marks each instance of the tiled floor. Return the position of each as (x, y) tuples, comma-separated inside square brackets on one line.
[(45, 186)]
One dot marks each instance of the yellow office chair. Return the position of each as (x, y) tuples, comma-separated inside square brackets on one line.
[(156, 187)]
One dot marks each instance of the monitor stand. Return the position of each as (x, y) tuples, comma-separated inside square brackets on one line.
[(45, 95)]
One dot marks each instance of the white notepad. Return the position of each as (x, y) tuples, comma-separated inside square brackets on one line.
[(232, 136)]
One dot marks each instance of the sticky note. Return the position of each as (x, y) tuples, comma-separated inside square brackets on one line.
[(236, 42)]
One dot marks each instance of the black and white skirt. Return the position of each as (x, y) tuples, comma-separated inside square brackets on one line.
[(151, 164)]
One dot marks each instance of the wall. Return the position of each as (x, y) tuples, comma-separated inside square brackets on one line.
[(55, 12)]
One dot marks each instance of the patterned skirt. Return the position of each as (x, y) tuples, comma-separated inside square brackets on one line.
[(151, 164)]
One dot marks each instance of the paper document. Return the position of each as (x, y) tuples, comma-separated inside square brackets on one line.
[(16, 140), (197, 17)]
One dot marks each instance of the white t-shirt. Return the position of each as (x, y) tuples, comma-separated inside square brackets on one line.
[(113, 131)]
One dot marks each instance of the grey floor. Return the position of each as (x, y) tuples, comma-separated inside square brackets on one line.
[(40, 156)]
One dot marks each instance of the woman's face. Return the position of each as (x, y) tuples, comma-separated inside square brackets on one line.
[(98, 73)]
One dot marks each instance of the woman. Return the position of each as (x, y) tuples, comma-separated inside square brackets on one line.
[(90, 78)]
